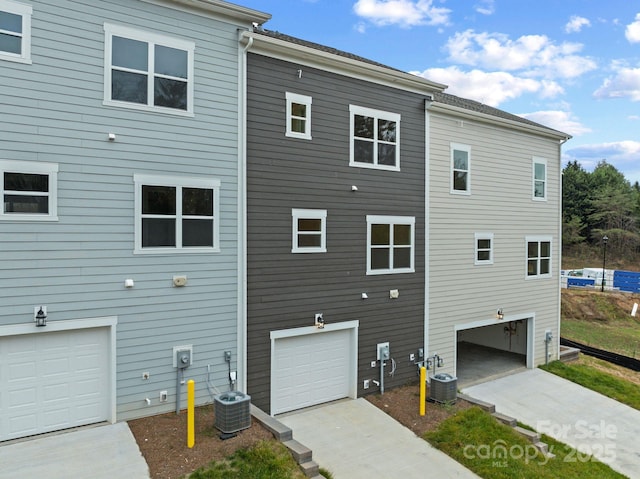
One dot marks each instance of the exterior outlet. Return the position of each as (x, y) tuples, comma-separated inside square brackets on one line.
[(163, 396), (374, 364), (412, 357), (366, 384)]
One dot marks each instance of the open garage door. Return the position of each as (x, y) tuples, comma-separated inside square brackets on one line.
[(491, 351)]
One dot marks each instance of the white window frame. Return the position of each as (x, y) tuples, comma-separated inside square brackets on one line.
[(466, 148), (298, 214), (539, 161), (377, 115), (25, 11), (538, 240), (152, 39), (391, 221), (141, 180), (302, 100), (27, 167), (483, 236)]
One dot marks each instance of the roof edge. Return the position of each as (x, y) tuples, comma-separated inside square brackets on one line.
[(267, 44), (539, 129), (220, 7)]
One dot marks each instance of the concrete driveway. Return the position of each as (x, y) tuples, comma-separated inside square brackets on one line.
[(355, 440), (102, 452), (588, 421)]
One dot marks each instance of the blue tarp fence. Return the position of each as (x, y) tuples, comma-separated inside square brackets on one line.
[(626, 281)]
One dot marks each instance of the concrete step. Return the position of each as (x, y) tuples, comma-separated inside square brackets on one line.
[(310, 469), (568, 354), (300, 452), (532, 436), (490, 408), (281, 432), (504, 419)]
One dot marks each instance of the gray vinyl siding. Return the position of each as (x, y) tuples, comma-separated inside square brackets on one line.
[(53, 112), (500, 203), (285, 290)]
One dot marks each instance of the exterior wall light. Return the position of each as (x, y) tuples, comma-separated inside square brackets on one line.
[(500, 314), (40, 317)]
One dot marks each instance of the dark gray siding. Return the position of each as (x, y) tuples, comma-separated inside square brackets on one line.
[(285, 290)]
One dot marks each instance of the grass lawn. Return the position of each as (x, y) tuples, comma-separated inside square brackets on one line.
[(265, 460), (495, 451), (619, 389), (621, 336)]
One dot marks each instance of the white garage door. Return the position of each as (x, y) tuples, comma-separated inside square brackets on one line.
[(53, 381), (311, 369)]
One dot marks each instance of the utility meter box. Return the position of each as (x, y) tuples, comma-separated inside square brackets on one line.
[(443, 388), (232, 411), (183, 358)]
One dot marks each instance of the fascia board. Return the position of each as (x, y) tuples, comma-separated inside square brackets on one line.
[(496, 120), (312, 57), (217, 8)]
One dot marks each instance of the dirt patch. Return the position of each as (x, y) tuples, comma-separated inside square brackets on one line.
[(163, 442), (403, 404)]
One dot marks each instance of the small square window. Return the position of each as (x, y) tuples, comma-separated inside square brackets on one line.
[(29, 191), (460, 169), (176, 214), (298, 116), (538, 257), (309, 229), (539, 179), (484, 248), (15, 31), (374, 139), (390, 244), (148, 71)]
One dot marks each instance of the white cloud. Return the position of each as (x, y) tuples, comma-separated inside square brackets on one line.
[(624, 84), (576, 23), (406, 13), (535, 55), (633, 117), (632, 31), (624, 155), (490, 88), (486, 7), (558, 120)]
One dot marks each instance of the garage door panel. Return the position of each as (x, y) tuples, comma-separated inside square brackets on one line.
[(63, 382), (311, 369)]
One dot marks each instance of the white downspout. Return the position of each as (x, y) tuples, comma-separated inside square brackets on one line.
[(560, 143), (242, 217), (427, 275)]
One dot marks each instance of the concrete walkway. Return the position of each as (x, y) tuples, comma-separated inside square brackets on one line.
[(586, 420), (355, 440), (102, 452)]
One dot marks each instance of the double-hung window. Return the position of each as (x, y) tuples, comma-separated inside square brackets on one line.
[(460, 169), (390, 244), (539, 179), (148, 71), (484, 248), (309, 231), (29, 191), (375, 139), (538, 257), (15, 31), (298, 116), (174, 214)]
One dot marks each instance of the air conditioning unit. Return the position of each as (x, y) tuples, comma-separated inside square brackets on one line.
[(443, 388), (232, 411)]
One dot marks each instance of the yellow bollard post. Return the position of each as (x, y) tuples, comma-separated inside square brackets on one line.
[(191, 393), (423, 390)]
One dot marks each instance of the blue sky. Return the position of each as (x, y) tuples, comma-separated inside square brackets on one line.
[(573, 65)]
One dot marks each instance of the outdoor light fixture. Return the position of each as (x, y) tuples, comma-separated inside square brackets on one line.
[(500, 314), (41, 318)]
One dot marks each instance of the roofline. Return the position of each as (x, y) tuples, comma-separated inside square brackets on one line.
[(336, 63), (497, 120), (220, 7)]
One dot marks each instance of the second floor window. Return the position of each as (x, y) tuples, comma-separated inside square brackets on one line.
[(148, 71), (15, 31), (539, 179), (374, 138), (298, 116), (460, 169)]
